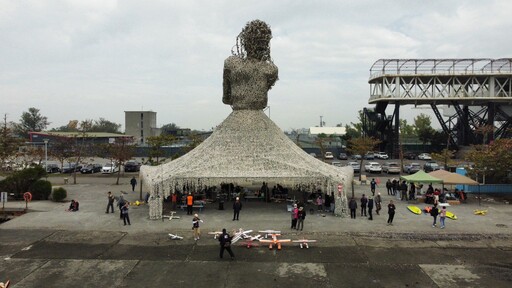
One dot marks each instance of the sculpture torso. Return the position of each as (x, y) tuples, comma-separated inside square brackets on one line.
[(247, 81)]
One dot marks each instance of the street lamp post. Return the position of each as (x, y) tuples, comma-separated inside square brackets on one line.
[(45, 155)]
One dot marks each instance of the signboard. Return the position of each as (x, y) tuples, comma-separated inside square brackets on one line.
[(3, 197)]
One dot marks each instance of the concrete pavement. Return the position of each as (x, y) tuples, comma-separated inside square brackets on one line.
[(50, 247)]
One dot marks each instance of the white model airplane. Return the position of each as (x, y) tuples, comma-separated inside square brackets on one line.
[(215, 234), (275, 241), (175, 237), (269, 232), (304, 242), (240, 234), (171, 216)]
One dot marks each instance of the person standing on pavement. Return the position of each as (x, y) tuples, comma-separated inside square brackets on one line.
[(319, 202), (190, 204), (364, 202), (124, 212), (195, 226), (434, 212), (352, 205), (389, 186), (370, 208), (442, 216), (133, 182), (403, 189), (301, 217), (391, 212), (225, 244), (174, 200), (120, 204), (295, 216), (378, 203), (373, 185), (110, 199), (237, 206), (394, 186)]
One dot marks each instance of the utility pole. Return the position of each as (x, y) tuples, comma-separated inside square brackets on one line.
[(321, 122)]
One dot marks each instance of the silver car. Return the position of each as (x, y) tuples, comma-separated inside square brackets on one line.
[(355, 166), (391, 168)]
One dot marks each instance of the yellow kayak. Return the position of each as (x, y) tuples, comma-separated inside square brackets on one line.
[(450, 215), (414, 209)]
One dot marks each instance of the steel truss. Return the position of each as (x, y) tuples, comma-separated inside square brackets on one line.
[(480, 90)]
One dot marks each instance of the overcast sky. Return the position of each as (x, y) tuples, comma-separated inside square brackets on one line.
[(86, 59)]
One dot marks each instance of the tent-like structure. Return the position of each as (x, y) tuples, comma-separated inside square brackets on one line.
[(450, 178), (421, 177), (247, 147)]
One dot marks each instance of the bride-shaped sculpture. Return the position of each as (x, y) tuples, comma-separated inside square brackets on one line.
[(250, 73), (247, 148)]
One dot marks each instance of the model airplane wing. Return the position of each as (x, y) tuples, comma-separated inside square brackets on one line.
[(175, 237), (304, 241)]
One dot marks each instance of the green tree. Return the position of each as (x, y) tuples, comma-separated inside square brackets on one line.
[(103, 125), (30, 121), (169, 129), (123, 149), (9, 144), (405, 129), (492, 161), (361, 146), (423, 128), (156, 143), (195, 140), (445, 157), (351, 132)]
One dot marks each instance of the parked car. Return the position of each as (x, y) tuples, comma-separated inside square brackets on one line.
[(412, 168), (343, 156), (373, 167), (431, 166), (355, 166), (391, 167), (336, 163), (328, 155), (382, 155), (313, 154), (70, 168), (369, 156), (131, 166), (410, 155), (109, 168), (91, 168), (52, 168), (424, 156), (356, 157)]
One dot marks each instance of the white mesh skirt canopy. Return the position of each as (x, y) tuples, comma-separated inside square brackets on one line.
[(248, 147)]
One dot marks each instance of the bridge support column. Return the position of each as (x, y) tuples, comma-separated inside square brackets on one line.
[(396, 132)]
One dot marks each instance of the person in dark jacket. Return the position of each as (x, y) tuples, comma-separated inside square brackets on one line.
[(133, 182), (237, 206), (120, 204), (352, 205), (364, 202), (391, 212), (225, 244), (434, 212), (124, 212), (301, 217), (370, 208), (110, 205)]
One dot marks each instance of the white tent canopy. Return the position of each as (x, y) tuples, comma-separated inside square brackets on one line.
[(248, 146)]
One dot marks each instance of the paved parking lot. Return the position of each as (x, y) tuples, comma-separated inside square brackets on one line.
[(49, 247)]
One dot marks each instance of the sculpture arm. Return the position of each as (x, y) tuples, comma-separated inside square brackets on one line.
[(226, 84), (272, 77)]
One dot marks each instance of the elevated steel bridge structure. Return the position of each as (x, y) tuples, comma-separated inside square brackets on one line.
[(478, 90)]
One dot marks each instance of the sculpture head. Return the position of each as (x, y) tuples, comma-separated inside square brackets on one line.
[(255, 41)]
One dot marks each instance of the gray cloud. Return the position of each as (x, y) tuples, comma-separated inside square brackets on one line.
[(89, 59)]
